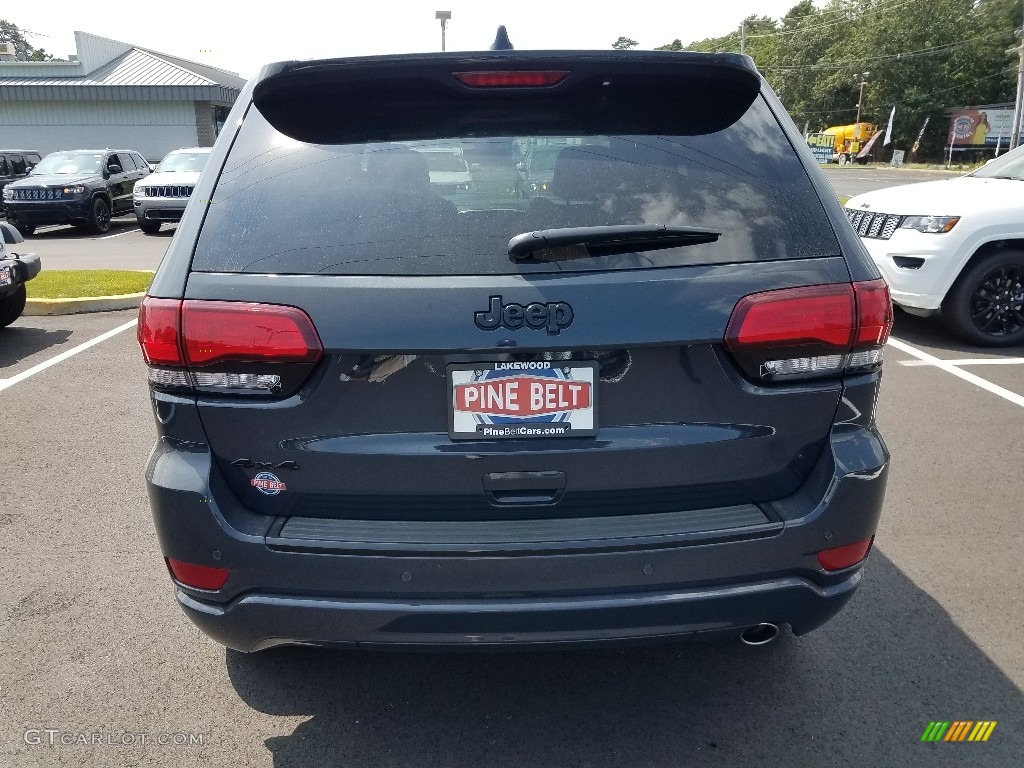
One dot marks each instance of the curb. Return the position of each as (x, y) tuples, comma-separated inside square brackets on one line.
[(36, 307)]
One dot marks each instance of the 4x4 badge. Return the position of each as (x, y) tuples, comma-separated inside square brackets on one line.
[(554, 316)]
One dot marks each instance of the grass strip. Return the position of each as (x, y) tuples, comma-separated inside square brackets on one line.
[(80, 283)]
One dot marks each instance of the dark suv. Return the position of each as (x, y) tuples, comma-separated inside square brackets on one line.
[(638, 404), (83, 187), (15, 164)]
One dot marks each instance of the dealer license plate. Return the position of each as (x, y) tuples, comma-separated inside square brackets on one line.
[(5, 276), (517, 400)]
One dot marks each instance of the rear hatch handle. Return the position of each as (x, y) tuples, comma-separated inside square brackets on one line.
[(547, 245), (519, 488)]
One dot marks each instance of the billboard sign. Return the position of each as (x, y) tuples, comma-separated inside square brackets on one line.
[(980, 127)]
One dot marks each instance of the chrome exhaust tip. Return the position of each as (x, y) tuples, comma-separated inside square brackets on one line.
[(759, 634)]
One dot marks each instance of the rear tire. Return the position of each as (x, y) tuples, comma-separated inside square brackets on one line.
[(99, 216), (149, 227), (12, 306), (986, 304)]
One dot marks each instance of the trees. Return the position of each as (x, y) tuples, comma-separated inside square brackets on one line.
[(924, 57), (624, 44), (10, 33), (675, 45)]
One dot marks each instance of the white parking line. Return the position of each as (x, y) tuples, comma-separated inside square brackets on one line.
[(949, 367), (126, 232), (971, 361), (5, 383)]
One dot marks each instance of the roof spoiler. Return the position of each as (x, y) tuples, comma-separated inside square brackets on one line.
[(413, 97)]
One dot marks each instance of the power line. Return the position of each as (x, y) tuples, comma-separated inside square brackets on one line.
[(846, 20), (890, 57), (880, 5), (839, 110)]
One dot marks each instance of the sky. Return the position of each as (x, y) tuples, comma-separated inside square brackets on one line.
[(241, 36)]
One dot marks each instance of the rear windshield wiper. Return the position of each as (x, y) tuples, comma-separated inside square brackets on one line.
[(588, 242)]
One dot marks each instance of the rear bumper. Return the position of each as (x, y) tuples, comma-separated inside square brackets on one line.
[(245, 624), (23, 268), (629, 582)]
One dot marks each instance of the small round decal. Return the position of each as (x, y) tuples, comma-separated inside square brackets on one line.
[(268, 483)]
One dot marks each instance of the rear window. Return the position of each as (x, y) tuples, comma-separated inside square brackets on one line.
[(283, 206)]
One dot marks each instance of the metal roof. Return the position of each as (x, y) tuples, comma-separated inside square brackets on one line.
[(137, 74)]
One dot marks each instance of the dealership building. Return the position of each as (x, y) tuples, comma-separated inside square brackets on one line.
[(113, 94)]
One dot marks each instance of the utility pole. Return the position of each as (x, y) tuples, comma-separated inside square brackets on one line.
[(860, 101), (1019, 50), (743, 36)]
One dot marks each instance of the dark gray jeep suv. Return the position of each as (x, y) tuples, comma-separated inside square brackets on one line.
[(637, 404)]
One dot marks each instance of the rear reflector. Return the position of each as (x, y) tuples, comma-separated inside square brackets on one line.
[(812, 331), (843, 557), (511, 79), (197, 576)]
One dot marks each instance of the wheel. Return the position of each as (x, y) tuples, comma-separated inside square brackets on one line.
[(986, 304), (99, 216), (26, 229), (149, 227), (12, 306), (844, 159)]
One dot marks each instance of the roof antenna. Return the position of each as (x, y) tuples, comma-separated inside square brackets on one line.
[(501, 41)]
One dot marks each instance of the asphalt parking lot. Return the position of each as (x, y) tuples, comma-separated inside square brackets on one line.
[(851, 180), (91, 641), (123, 247)]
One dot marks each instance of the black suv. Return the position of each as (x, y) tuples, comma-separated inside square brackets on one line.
[(15, 164), (83, 187), (637, 404)]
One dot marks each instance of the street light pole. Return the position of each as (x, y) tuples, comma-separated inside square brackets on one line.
[(860, 101), (444, 17)]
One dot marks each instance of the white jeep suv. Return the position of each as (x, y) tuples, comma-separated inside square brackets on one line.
[(954, 246)]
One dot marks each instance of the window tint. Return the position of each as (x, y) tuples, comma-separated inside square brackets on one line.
[(125, 160), (379, 209), (18, 167), (4, 170)]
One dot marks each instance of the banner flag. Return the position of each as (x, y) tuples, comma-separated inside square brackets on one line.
[(888, 130)]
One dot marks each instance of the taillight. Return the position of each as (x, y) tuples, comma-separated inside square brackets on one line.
[(812, 331), (227, 346), (159, 331), (197, 576), (216, 331), (511, 79), (874, 312)]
